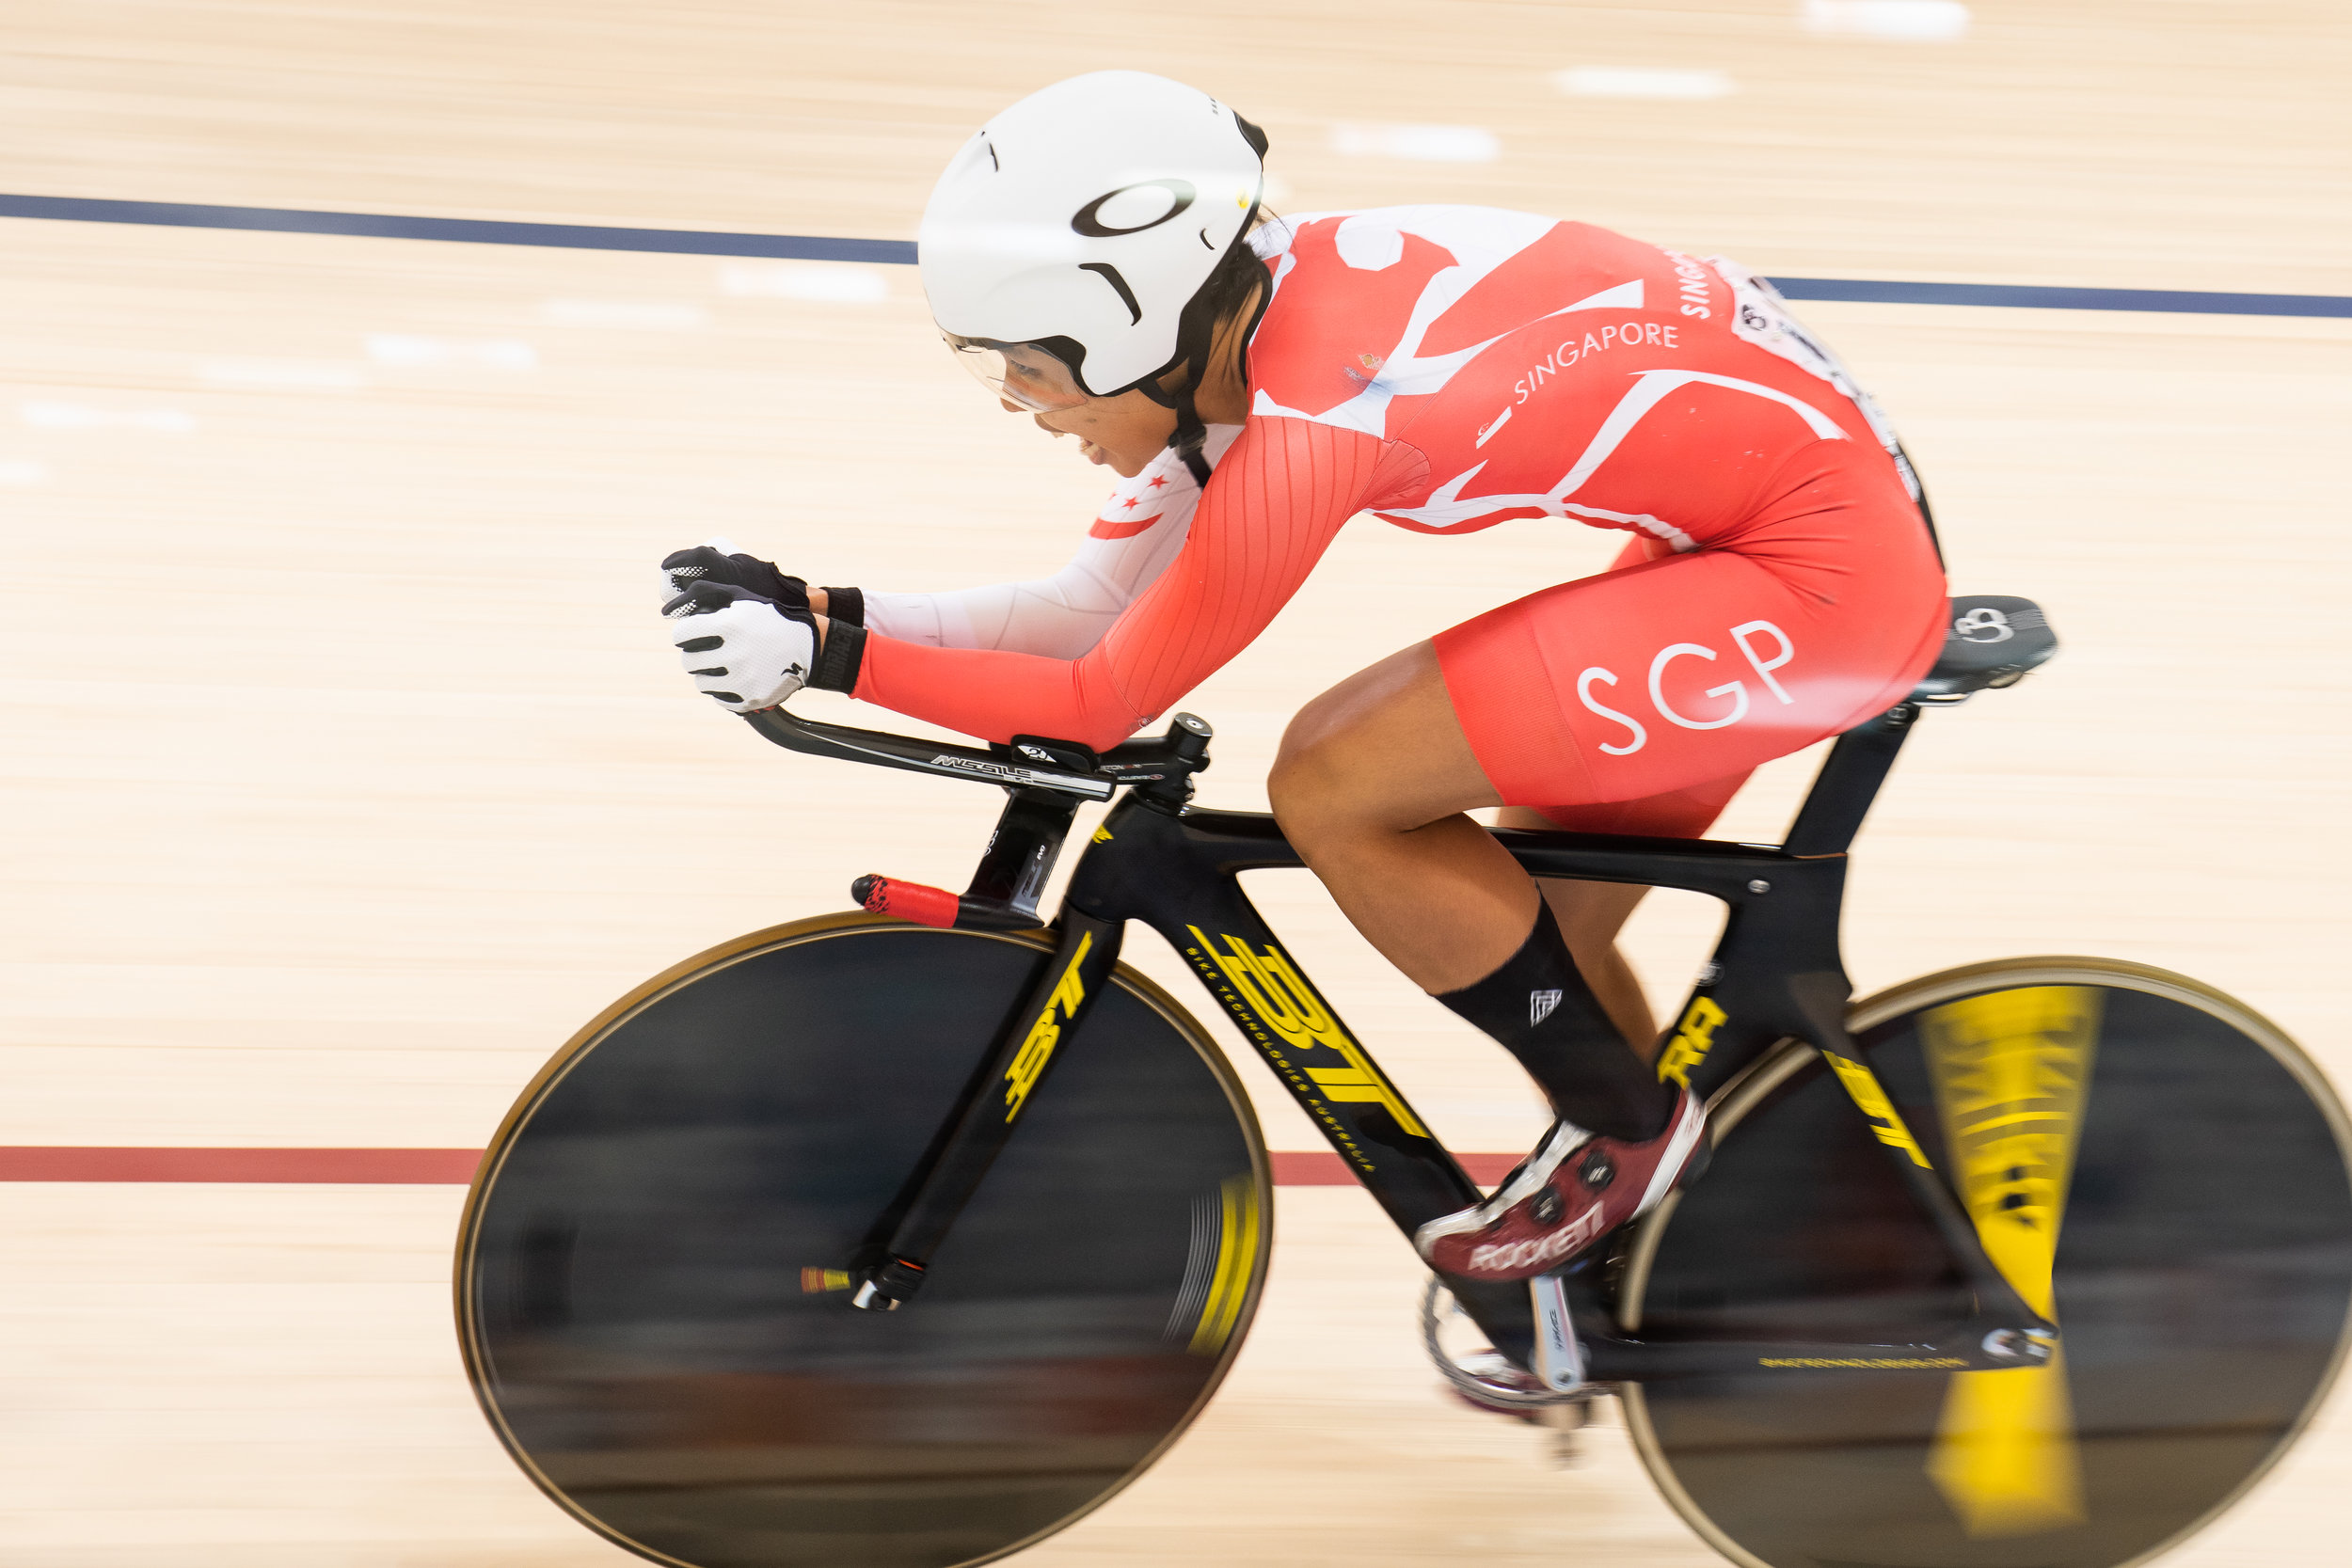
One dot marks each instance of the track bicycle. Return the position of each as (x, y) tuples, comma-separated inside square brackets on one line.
[(908, 1236)]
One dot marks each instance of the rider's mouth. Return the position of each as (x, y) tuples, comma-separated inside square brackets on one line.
[(1087, 449)]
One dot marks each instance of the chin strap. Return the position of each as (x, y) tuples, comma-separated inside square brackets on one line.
[(1189, 435), (1192, 348), (1194, 340)]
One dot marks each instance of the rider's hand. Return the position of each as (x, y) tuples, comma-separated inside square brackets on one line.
[(716, 559), (745, 651)]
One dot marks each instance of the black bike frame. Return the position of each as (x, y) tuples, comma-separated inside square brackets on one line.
[(1775, 974)]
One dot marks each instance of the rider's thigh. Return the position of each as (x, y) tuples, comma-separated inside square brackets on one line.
[(1672, 813), (1663, 677), (1383, 746)]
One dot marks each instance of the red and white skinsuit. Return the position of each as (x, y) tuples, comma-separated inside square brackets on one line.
[(1448, 369)]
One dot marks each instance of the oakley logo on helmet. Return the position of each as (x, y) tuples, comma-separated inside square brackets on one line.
[(1090, 222)]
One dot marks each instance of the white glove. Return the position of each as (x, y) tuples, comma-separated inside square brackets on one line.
[(743, 651)]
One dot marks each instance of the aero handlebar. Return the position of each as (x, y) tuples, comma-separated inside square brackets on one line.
[(1029, 762)]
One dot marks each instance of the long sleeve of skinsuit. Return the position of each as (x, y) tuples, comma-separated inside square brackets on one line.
[(1142, 528), (1274, 504)]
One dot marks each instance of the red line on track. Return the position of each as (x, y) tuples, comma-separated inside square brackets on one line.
[(1321, 1167), (1312, 1167), (377, 1166)]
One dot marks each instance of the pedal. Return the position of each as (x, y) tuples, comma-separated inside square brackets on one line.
[(1558, 1359), (1564, 1427)]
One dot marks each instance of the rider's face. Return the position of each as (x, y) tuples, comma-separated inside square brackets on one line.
[(1124, 433)]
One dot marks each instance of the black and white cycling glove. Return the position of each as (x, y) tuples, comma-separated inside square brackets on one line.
[(716, 560), (746, 650)]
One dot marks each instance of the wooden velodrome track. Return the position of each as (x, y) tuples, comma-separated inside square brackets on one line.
[(348, 771)]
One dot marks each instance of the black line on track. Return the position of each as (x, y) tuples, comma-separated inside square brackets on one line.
[(824, 248)]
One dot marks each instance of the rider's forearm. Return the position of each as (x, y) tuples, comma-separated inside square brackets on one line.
[(1060, 616), (1054, 617), (997, 695)]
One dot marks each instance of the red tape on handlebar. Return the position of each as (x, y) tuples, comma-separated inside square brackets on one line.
[(925, 906)]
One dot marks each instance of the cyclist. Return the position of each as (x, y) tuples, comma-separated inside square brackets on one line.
[(1094, 253)]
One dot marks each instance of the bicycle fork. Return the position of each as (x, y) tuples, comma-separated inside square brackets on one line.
[(990, 1106)]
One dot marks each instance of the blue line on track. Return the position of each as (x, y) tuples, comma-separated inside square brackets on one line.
[(2030, 296), (388, 226), (820, 247)]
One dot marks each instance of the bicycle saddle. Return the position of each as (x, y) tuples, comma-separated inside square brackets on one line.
[(1991, 640)]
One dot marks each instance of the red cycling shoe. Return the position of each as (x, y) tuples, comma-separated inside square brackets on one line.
[(1576, 1188)]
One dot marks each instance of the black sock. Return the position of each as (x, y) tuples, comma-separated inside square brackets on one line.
[(1541, 1011)]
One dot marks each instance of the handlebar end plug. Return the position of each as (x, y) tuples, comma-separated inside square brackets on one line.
[(925, 906)]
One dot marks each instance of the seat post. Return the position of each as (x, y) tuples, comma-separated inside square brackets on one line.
[(1848, 781)]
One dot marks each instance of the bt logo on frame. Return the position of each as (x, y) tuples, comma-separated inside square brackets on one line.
[(1746, 637)]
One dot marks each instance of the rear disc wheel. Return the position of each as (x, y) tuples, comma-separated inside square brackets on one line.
[(2151, 1161)]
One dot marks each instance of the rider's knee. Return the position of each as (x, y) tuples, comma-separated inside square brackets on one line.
[(1306, 785), (1291, 785)]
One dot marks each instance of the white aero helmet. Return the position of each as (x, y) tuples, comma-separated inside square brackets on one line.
[(1062, 246)]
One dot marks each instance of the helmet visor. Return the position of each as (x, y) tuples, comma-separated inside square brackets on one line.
[(1024, 374)]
